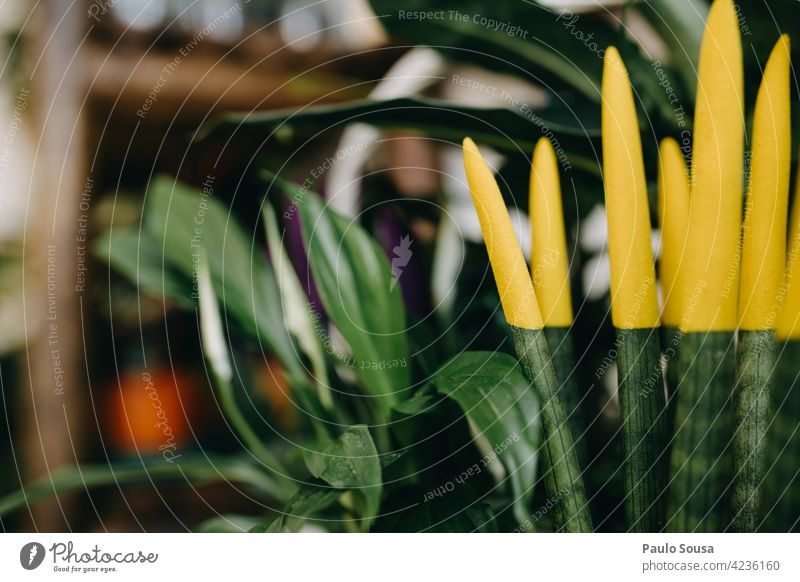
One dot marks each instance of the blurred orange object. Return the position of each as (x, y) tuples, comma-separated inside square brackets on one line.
[(149, 412), (272, 380)]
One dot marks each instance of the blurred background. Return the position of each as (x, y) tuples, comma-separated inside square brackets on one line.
[(97, 97)]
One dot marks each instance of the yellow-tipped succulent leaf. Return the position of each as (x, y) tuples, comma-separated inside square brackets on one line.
[(711, 276), (634, 302), (764, 248), (673, 216), (549, 265), (508, 265), (788, 325)]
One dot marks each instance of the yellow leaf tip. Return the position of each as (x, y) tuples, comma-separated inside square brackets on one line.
[(508, 265), (543, 142), (721, 8), (782, 51), (549, 266), (613, 61), (543, 150), (722, 20), (710, 277)]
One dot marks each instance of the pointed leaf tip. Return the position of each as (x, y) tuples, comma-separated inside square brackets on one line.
[(508, 265)]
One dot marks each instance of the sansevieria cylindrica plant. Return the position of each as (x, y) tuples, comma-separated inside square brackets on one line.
[(763, 266), (634, 304), (563, 480), (700, 460), (722, 281), (550, 275), (673, 218), (780, 504)]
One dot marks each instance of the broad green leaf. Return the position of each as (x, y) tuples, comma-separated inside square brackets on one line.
[(354, 280), (458, 511), (429, 116), (305, 504), (197, 470), (423, 401), (498, 401), (509, 129), (350, 462), (137, 257), (556, 49), (388, 459), (163, 258), (228, 524), (183, 220), (539, 47)]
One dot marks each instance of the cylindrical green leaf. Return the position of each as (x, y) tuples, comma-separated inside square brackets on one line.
[(643, 411), (559, 340), (755, 365), (671, 343), (700, 463), (563, 480), (780, 504)]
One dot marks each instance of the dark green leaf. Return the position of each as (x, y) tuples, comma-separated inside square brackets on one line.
[(507, 129), (350, 462), (558, 50), (423, 401), (499, 402), (354, 280), (183, 220), (459, 511), (198, 470), (389, 458), (307, 502), (136, 256), (229, 524), (430, 116), (528, 50)]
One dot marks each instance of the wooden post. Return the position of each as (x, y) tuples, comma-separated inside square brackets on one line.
[(55, 400)]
